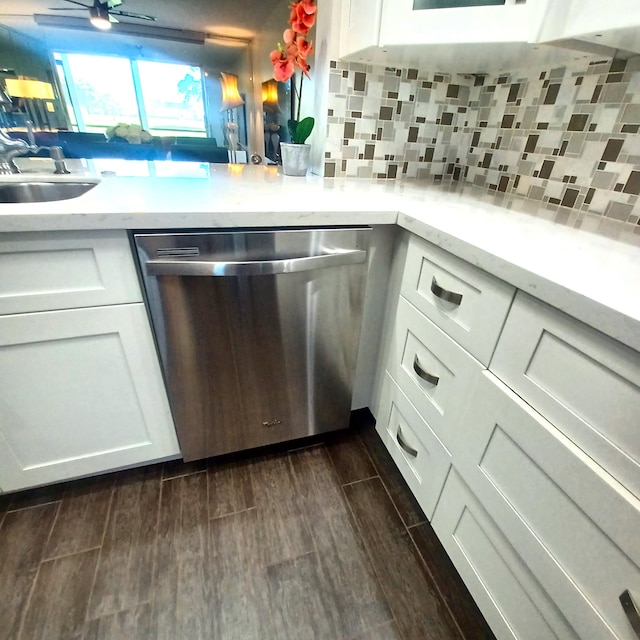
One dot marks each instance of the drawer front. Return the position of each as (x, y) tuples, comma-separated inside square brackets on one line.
[(501, 583), (433, 371), (575, 527), (417, 452), (466, 303), (585, 383), (65, 270)]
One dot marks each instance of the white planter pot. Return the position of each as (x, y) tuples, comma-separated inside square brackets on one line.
[(295, 158)]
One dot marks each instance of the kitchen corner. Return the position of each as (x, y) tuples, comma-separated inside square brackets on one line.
[(459, 275)]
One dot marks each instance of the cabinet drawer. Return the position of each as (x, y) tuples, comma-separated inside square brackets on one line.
[(466, 303), (585, 383), (417, 452), (433, 371), (572, 525), (64, 270), (501, 583)]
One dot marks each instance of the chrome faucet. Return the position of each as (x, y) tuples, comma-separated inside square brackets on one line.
[(11, 147)]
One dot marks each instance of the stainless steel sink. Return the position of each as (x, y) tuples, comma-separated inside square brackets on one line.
[(42, 191)]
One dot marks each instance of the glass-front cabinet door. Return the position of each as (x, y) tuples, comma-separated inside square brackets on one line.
[(460, 21)]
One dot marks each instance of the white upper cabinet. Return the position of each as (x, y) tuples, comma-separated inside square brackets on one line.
[(488, 37), (614, 24), (461, 39), (508, 22), (360, 25)]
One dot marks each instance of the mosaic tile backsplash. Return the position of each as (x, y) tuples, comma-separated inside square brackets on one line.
[(565, 136)]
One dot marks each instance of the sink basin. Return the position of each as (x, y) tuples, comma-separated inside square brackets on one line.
[(42, 191)]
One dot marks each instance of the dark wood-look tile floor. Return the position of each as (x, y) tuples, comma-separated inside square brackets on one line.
[(323, 542)]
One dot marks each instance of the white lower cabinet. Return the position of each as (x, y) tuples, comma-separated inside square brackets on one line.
[(420, 456), (504, 587), (573, 527), (82, 393), (540, 509)]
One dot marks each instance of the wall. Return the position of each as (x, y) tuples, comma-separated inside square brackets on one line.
[(566, 136)]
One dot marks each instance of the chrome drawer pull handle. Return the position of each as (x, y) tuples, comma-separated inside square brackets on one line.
[(410, 450), (631, 609), (427, 377), (443, 294)]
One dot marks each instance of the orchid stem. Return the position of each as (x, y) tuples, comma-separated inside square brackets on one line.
[(300, 97)]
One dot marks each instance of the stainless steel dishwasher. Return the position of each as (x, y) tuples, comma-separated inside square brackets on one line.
[(257, 331)]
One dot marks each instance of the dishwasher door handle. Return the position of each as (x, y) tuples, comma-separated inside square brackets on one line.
[(183, 267)]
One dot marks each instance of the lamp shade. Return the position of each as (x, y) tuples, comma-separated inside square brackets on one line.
[(270, 95), (231, 98), (23, 88)]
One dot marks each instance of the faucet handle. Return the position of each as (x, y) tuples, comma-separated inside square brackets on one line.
[(57, 156), (30, 135)]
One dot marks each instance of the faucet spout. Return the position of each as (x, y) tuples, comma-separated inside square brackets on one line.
[(11, 147)]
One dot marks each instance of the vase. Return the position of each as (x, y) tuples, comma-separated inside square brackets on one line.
[(295, 158)]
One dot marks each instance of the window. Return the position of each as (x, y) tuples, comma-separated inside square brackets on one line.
[(163, 98), (172, 96)]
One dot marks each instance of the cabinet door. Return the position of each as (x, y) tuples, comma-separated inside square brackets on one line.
[(572, 524), (360, 27), (501, 583), (64, 270), (82, 393), (612, 21), (509, 22)]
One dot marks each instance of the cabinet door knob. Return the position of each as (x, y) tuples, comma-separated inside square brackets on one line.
[(425, 375), (631, 609), (402, 442), (443, 294)]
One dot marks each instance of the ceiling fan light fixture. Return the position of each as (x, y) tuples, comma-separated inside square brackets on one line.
[(98, 19)]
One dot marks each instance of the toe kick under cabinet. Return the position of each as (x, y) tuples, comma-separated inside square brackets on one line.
[(517, 429), (81, 387)]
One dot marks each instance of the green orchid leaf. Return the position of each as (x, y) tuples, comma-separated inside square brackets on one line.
[(303, 130)]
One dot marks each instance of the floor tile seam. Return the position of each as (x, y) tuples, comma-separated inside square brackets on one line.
[(99, 559), (435, 583), (309, 446), (421, 558), (290, 559), (231, 513), (27, 604), (395, 506), (348, 484), (182, 475), (372, 562), (366, 450), (71, 553), (91, 619), (51, 529), (34, 506), (334, 466)]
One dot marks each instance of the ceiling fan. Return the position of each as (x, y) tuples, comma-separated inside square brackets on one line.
[(102, 14)]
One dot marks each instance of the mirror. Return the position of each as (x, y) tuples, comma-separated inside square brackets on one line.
[(196, 40)]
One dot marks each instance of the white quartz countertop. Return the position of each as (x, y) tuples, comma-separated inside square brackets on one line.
[(589, 276)]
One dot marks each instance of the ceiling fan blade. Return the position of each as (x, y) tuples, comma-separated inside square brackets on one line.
[(65, 9), (114, 3), (86, 6), (126, 14)]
